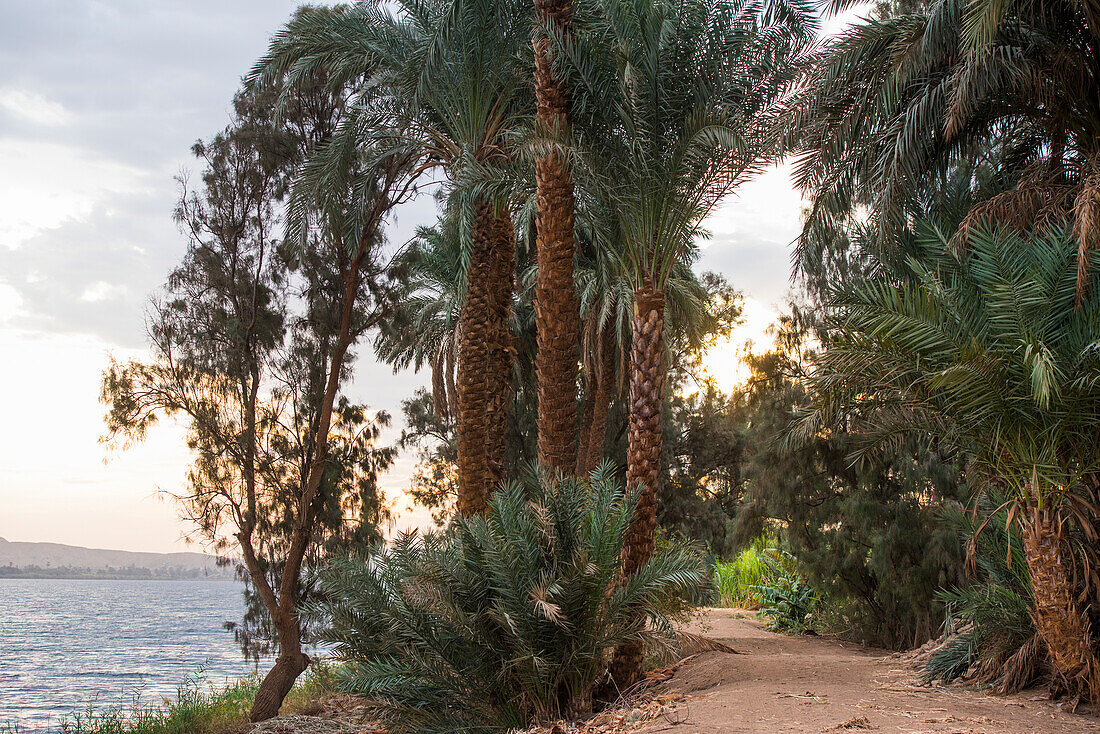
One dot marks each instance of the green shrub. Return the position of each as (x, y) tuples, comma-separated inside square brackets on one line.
[(734, 580), (504, 620), (199, 707), (785, 597), (990, 637)]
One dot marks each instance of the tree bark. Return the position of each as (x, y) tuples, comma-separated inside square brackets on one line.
[(1060, 622), (556, 316), (647, 382), (503, 351), (284, 612), (278, 682), (600, 402), (477, 357)]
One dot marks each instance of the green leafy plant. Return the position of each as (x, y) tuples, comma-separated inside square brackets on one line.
[(990, 636), (735, 581), (200, 706), (785, 599), (505, 619)]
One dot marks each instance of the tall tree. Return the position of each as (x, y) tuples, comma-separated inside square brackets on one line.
[(676, 101), (988, 350), (229, 284), (450, 71), (555, 304)]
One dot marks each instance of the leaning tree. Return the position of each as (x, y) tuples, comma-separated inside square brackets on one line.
[(257, 382)]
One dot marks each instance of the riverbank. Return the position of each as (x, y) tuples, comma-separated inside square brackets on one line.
[(769, 683), (197, 708)]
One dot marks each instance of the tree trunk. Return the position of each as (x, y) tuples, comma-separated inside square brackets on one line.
[(600, 402), (476, 358), (556, 318), (1061, 624), (503, 351), (291, 663), (647, 382)]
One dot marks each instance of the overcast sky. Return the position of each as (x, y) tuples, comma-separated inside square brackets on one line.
[(100, 101)]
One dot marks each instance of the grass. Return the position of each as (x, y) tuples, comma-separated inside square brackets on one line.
[(199, 707), (735, 580)]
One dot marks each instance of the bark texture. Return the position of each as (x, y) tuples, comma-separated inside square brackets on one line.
[(503, 350), (481, 409), (1060, 622), (556, 318), (647, 387), (277, 684), (599, 402)]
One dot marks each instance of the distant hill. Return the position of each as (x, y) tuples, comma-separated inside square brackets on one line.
[(53, 560)]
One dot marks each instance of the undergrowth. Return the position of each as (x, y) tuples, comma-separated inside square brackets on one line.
[(199, 707), (735, 580)]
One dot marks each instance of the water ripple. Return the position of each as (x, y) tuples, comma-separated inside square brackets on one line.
[(74, 643)]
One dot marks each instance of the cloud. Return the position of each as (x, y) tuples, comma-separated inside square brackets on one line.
[(43, 185), (751, 234), (91, 274), (11, 303), (33, 107)]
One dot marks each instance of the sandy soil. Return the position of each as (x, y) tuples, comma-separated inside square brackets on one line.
[(779, 684)]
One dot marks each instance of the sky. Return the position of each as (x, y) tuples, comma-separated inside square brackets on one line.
[(100, 101)]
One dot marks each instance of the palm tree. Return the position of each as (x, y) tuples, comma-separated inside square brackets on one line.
[(672, 119), (605, 295), (894, 103), (423, 328), (452, 72), (555, 304), (988, 351)]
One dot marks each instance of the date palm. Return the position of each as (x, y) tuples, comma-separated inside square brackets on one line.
[(890, 106), (423, 328), (555, 304), (672, 119), (988, 351), (453, 74)]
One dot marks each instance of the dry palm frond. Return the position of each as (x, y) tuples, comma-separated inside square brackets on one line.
[(1040, 199), (1087, 219)]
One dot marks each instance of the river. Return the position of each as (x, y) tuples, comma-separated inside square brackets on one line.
[(65, 645)]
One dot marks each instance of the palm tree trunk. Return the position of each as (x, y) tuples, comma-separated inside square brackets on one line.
[(1059, 621), (556, 319), (503, 350), (600, 402), (479, 358), (647, 382)]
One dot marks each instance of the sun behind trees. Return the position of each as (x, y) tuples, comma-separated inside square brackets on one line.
[(576, 150)]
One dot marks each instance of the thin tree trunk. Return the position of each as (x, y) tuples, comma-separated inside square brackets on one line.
[(475, 360), (1060, 622), (556, 317), (600, 402), (292, 661), (503, 351), (647, 382)]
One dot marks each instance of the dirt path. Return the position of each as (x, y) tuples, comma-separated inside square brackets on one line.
[(781, 684)]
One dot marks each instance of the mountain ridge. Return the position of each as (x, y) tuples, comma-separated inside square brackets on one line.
[(54, 558)]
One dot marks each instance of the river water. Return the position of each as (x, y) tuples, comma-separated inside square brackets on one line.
[(65, 645)]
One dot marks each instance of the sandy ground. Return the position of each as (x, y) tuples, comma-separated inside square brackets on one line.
[(779, 684), (775, 684)]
